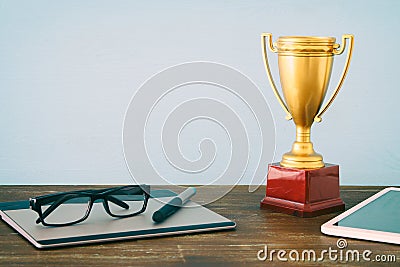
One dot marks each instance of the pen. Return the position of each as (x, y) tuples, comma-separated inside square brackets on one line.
[(173, 205)]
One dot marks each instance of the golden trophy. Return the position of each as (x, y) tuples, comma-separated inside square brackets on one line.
[(302, 184)]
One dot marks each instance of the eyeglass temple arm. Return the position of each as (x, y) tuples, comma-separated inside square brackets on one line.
[(46, 199), (118, 202)]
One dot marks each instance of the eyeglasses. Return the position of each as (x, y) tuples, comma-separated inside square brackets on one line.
[(63, 209)]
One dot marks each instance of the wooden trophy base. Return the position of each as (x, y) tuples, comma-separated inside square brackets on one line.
[(303, 193)]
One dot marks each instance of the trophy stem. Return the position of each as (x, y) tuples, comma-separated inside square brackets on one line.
[(302, 155), (303, 134)]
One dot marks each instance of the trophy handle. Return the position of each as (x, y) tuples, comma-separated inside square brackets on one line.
[(271, 81), (346, 68)]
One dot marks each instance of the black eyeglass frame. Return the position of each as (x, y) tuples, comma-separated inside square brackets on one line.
[(36, 203)]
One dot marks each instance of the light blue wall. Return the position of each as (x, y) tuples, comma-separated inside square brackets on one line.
[(69, 68)]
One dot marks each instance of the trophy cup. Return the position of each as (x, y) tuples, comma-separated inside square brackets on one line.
[(302, 184)]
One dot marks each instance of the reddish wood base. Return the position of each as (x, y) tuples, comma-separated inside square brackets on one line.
[(303, 193)]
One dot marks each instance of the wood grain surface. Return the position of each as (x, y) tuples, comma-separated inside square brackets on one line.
[(255, 229)]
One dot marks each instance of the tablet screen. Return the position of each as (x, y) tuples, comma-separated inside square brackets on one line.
[(382, 214)]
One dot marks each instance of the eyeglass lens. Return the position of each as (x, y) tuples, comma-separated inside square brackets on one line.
[(69, 211), (134, 204)]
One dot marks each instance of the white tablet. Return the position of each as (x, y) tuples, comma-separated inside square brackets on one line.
[(376, 219)]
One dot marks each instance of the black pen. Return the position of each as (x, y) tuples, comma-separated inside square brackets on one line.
[(173, 205)]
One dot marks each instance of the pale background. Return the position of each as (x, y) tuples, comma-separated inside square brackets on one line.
[(69, 68)]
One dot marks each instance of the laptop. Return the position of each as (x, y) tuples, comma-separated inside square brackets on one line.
[(100, 227)]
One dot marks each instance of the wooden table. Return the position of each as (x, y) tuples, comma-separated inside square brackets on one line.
[(255, 229)]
